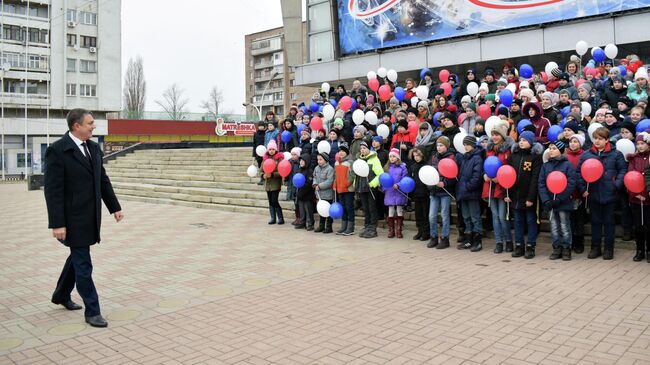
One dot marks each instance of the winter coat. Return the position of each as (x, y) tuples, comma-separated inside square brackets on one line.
[(274, 183), (470, 175), (305, 147), (272, 135), (573, 92), (574, 159), (355, 147), (334, 149), (324, 179), (563, 200), (382, 155), (527, 163), (502, 151), (469, 123), (634, 92), (314, 152), (403, 139), (552, 85), (605, 189), (306, 193), (293, 142), (450, 184), (344, 176), (638, 162), (364, 184), (541, 124), (258, 140), (421, 191), (393, 196), (612, 96), (552, 114)]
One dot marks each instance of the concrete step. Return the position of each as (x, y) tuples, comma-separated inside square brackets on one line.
[(239, 172), (183, 183), (186, 162), (199, 191), (207, 176)]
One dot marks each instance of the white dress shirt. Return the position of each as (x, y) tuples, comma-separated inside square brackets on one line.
[(78, 142)]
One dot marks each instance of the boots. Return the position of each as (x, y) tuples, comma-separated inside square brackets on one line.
[(278, 211), (371, 232), (578, 244), (608, 253), (344, 227), (391, 226), (640, 245), (530, 252), (467, 242), (399, 224), (272, 213), (508, 246), (627, 234), (498, 248), (349, 231), (261, 182), (461, 236), (478, 244), (425, 236), (321, 225), (519, 250), (297, 220), (595, 251), (433, 242), (418, 235), (444, 243), (566, 254), (328, 225), (556, 254)]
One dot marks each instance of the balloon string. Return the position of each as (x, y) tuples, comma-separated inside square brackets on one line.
[(490, 194), (641, 214), (317, 195), (448, 193), (587, 198), (369, 188), (507, 205)]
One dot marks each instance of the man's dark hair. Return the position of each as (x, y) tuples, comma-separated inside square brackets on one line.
[(76, 116)]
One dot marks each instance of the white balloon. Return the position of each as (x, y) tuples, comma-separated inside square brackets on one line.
[(383, 131), (592, 128), (458, 142), (549, 67), (260, 150), (414, 101), (422, 92), (429, 175), (611, 51), (287, 155), (371, 75), (513, 88), (490, 123), (325, 87), (462, 130), (361, 168), (392, 75), (574, 58), (594, 50), (582, 47), (625, 146), (252, 171), (545, 156), (381, 72), (371, 117), (328, 112), (324, 147), (358, 116), (323, 208), (586, 108), (472, 89)]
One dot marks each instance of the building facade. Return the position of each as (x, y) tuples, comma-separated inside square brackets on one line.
[(269, 80), (55, 55)]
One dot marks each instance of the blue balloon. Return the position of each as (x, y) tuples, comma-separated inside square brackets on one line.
[(386, 181), (334, 103), (491, 166), (298, 180), (523, 123), (424, 72), (285, 136), (565, 111), (554, 132), (354, 105), (313, 106), (336, 210), (436, 117), (526, 71), (301, 127), (562, 122), (407, 185), (399, 93), (643, 125), (320, 108), (623, 70), (505, 97), (599, 55)]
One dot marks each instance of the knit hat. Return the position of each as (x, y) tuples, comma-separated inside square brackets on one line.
[(643, 136), (490, 97), (338, 121), (394, 100), (527, 93), (325, 156), (306, 130), (502, 82), (480, 121), (541, 87), (394, 152), (577, 117), (528, 136), (472, 106), (529, 127), (360, 128), (444, 141), (602, 111), (469, 140), (564, 76), (343, 146), (400, 112), (482, 139), (572, 125), (556, 72), (642, 73), (466, 98), (445, 115), (338, 132), (503, 110), (412, 110), (322, 130), (629, 126), (307, 158), (625, 100), (560, 145), (501, 128), (579, 137), (379, 139), (296, 150), (483, 87), (363, 144), (423, 104), (403, 123), (586, 86), (272, 145)]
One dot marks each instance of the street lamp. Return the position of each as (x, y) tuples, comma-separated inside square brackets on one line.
[(276, 73), (3, 69), (259, 112)]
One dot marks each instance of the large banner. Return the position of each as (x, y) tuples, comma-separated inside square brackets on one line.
[(371, 24)]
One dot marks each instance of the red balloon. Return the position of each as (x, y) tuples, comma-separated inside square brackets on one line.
[(446, 88), (556, 182), (484, 112), (443, 75), (345, 103), (373, 84), (316, 123), (544, 76), (384, 93), (448, 168), (507, 176), (268, 166), (461, 117), (634, 182), (591, 170), (284, 168)]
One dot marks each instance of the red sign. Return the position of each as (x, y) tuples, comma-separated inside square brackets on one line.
[(235, 128)]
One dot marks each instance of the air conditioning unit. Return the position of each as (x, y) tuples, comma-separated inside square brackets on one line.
[(71, 24), (76, 47), (92, 49)]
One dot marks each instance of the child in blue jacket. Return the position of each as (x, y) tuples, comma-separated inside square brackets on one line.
[(468, 192)]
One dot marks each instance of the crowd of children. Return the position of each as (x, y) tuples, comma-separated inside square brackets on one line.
[(546, 127)]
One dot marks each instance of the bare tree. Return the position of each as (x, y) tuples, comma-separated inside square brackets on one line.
[(135, 89), (213, 103), (173, 102)]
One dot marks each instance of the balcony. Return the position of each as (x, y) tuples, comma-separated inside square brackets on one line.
[(262, 65), (19, 99), (270, 49)]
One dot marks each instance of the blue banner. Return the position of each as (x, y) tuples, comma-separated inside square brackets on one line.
[(373, 24)]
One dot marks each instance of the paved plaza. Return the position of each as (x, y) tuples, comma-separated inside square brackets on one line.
[(182, 285)]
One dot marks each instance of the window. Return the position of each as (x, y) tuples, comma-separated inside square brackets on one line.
[(261, 44), (38, 35), (13, 32), (293, 96), (88, 66), (38, 11), (321, 47), (279, 95), (71, 15), (37, 62), (87, 90), (72, 40), (72, 65), (87, 18), (292, 82), (87, 41), (20, 159), (16, 60), (71, 89)]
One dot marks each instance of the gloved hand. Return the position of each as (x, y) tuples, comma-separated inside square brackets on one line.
[(548, 206), (556, 203)]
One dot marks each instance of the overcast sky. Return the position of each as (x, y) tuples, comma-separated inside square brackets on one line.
[(195, 43)]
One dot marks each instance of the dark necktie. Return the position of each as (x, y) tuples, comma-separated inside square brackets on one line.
[(87, 153)]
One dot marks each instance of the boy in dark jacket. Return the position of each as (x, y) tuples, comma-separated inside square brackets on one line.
[(468, 192), (559, 205), (420, 196), (526, 159), (305, 195), (440, 196), (603, 193), (258, 140)]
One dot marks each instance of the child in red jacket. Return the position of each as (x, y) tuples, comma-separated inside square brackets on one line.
[(578, 214), (640, 203)]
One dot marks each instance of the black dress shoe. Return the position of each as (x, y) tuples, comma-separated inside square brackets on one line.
[(97, 321), (69, 305)]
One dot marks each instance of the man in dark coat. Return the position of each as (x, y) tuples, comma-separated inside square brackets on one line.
[(75, 185)]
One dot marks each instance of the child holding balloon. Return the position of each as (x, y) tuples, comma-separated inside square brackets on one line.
[(468, 192), (638, 196), (394, 198), (323, 182), (344, 188), (439, 195), (420, 196), (367, 169), (573, 153), (305, 193), (273, 181)]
